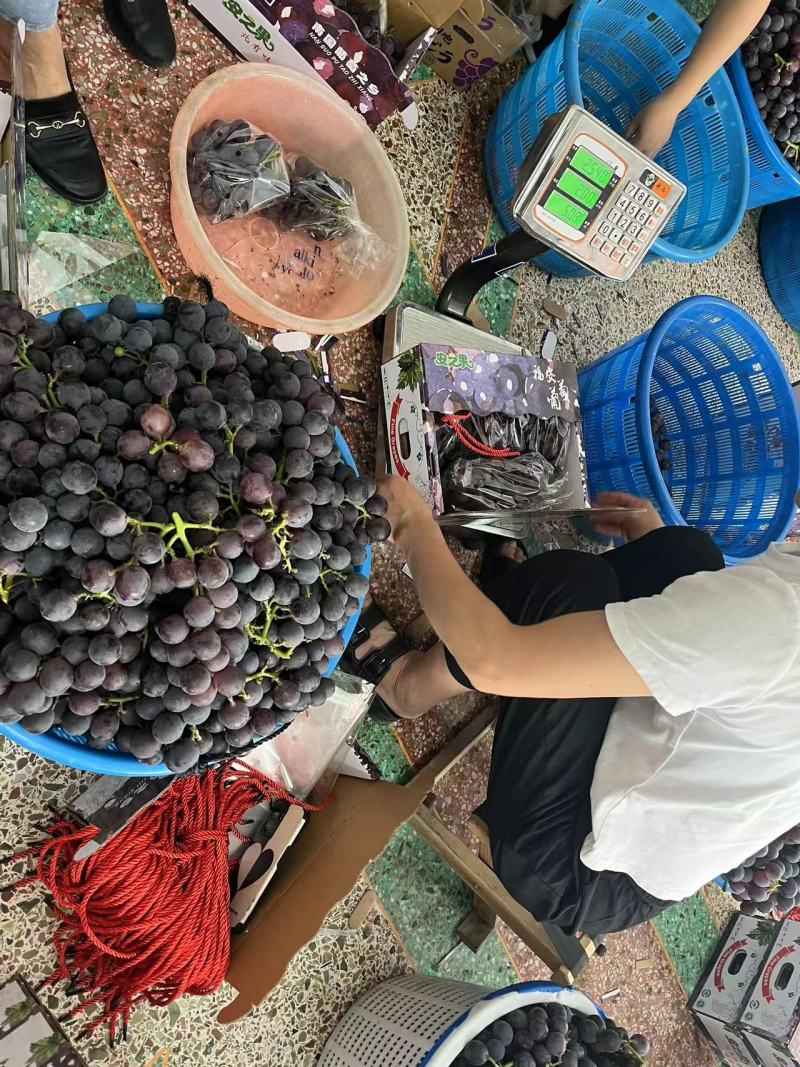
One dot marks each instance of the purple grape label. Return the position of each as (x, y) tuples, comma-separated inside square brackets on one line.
[(460, 379), (330, 42)]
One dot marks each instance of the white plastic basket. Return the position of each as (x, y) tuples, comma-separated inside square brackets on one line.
[(413, 1021)]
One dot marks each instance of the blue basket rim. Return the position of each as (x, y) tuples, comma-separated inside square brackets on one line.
[(720, 86), (110, 761), (647, 447), (756, 124)]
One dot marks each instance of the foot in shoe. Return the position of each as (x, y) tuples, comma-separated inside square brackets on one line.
[(379, 638), (143, 27)]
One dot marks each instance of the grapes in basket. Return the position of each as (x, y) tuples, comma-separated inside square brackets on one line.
[(178, 531), (772, 58), (553, 1035), (768, 883)]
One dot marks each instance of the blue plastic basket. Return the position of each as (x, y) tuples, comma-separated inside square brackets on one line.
[(60, 747), (779, 248), (613, 57), (772, 176), (728, 410)]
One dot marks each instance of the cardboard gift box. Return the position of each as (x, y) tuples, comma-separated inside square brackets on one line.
[(722, 991), (730, 1043), (314, 37), (771, 1013), (432, 380), (477, 39)]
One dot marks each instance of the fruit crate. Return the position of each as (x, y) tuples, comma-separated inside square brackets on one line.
[(416, 1021), (780, 257), (70, 751), (721, 389), (772, 176), (612, 58)]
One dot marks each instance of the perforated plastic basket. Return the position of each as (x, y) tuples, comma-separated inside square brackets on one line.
[(413, 1021), (613, 57), (772, 177), (721, 388), (60, 747), (779, 248)]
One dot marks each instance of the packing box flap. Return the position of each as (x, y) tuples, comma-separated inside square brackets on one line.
[(317, 872), (409, 18), (478, 38)]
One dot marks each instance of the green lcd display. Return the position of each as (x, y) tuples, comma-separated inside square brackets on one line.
[(564, 209), (591, 167), (573, 185)]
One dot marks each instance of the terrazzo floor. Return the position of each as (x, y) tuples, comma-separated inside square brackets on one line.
[(420, 902)]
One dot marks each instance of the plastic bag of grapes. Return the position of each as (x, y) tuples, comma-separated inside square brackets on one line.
[(235, 169), (324, 206)]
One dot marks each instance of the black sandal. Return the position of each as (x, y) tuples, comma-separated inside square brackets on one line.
[(374, 667)]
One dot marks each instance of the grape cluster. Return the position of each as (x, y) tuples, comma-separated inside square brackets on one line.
[(234, 170), (368, 22), (178, 531), (661, 441), (769, 882), (772, 58), (553, 1035), (320, 204)]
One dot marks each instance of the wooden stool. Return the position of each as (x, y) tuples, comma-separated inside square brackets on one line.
[(566, 956)]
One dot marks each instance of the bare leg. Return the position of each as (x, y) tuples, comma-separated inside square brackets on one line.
[(44, 65), (415, 682)]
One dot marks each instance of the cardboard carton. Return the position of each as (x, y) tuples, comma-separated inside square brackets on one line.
[(477, 39), (731, 1043), (316, 39), (317, 872), (439, 379), (772, 1010), (769, 1053), (723, 990)]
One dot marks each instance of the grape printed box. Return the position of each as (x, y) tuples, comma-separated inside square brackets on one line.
[(315, 38), (772, 1010), (439, 379), (722, 992), (730, 1042), (475, 41)]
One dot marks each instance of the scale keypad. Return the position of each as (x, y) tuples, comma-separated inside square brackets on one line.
[(634, 213)]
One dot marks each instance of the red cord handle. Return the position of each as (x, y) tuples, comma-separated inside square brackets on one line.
[(455, 422)]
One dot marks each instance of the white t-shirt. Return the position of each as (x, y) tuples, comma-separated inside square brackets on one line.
[(691, 783)]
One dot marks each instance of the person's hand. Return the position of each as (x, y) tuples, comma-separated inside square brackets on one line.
[(407, 507), (653, 126), (641, 517)]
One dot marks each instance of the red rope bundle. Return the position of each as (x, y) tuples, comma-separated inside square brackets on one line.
[(455, 422), (146, 917)]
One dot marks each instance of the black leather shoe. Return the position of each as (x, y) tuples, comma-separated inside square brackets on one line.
[(62, 150), (144, 28)]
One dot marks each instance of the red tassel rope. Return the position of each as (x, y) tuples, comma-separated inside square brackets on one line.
[(455, 422), (145, 919)]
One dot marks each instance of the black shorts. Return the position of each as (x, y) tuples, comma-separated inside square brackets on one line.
[(538, 805)]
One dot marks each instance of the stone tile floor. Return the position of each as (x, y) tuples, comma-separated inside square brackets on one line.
[(420, 901)]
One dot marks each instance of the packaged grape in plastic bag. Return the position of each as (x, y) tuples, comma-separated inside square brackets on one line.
[(234, 169), (324, 206)]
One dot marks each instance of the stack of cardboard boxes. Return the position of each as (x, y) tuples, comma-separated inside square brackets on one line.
[(747, 1003)]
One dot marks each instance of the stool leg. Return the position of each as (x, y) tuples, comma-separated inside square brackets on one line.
[(482, 920)]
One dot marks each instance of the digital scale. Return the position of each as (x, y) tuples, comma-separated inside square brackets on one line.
[(583, 191)]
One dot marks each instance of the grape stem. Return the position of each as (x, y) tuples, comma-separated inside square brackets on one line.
[(230, 438), (160, 445), (6, 582)]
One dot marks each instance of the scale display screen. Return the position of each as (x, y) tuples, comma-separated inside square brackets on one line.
[(566, 210), (573, 185), (593, 168)]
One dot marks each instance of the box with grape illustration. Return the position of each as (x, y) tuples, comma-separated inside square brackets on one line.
[(29, 1037), (722, 992), (318, 39), (429, 387), (772, 1010)]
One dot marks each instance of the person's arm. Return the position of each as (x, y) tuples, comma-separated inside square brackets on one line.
[(571, 656), (725, 30)]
